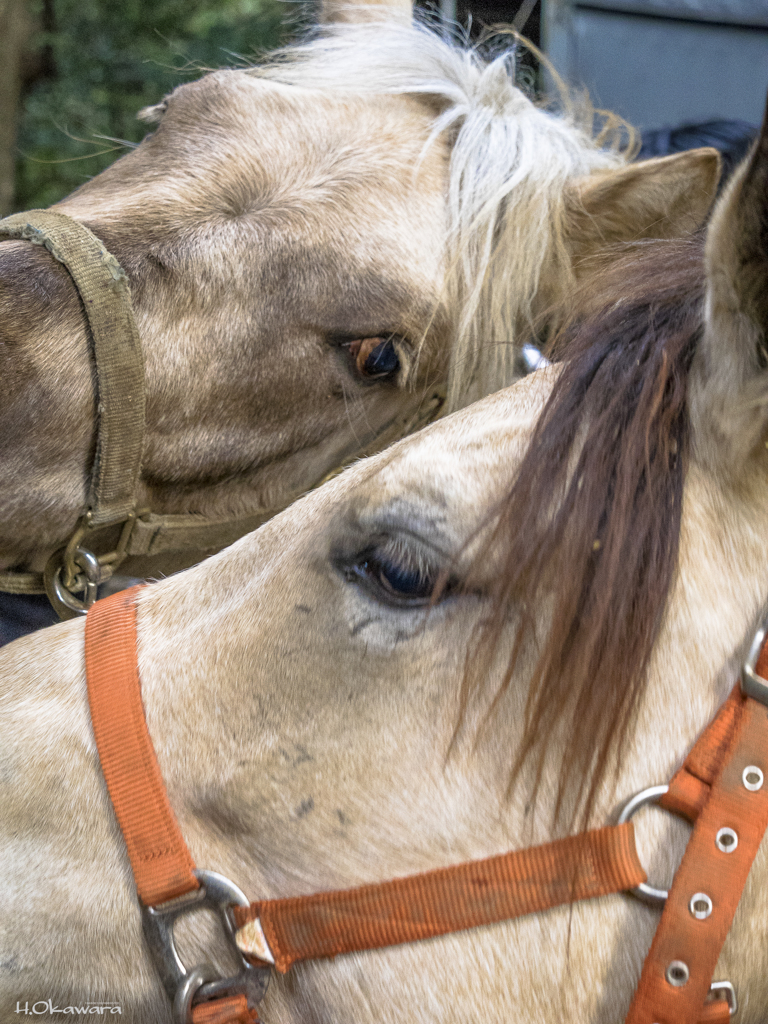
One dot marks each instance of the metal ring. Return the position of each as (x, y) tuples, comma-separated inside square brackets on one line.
[(652, 795), (66, 605), (185, 993), (185, 986), (753, 685)]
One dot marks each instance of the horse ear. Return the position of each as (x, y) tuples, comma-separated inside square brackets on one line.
[(365, 10), (728, 394), (666, 197)]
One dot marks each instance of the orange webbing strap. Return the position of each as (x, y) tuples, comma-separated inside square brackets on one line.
[(230, 1010), (717, 869), (716, 1012), (446, 900), (162, 865), (689, 788)]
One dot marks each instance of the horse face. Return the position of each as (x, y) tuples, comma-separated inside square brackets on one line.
[(306, 270), (337, 716), (728, 395), (338, 752), (285, 256), (287, 229)]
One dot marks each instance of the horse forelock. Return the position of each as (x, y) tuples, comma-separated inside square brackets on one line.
[(510, 163), (590, 526)]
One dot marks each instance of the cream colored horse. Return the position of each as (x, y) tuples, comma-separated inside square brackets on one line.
[(376, 183), (319, 724)]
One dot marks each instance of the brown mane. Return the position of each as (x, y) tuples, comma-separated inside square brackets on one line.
[(591, 522)]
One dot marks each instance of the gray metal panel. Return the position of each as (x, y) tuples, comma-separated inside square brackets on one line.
[(734, 12), (659, 71), (557, 39), (654, 72)]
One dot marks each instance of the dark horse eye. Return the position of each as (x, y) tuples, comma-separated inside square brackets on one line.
[(375, 358), (388, 578), (399, 580)]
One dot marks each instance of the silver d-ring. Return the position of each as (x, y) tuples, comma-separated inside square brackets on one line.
[(652, 795)]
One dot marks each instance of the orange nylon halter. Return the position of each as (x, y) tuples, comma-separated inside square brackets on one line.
[(603, 861)]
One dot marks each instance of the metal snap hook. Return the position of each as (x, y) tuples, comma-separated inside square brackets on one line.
[(202, 982), (188, 989)]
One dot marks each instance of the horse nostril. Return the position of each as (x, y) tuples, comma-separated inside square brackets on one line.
[(376, 358)]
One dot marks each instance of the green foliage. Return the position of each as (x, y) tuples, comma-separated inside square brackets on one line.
[(111, 59)]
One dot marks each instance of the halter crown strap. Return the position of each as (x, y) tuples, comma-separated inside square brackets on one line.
[(730, 813)]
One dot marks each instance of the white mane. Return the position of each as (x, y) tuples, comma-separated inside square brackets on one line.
[(510, 162)]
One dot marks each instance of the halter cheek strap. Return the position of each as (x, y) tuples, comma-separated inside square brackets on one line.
[(162, 865), (717, 788), (720, 788), (161, 862)]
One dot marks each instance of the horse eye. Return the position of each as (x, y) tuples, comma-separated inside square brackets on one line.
[(400, 580), (392, 580), (375, 358)]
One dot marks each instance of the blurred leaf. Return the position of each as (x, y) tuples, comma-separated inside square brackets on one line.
[(112, 59)]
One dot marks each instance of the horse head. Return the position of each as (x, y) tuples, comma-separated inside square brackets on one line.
[(317, 250)]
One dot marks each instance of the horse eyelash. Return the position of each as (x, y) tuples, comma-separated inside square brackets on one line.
[(413, 559)]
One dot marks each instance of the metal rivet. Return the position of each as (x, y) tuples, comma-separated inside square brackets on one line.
[(677, 973), (726, 840), (700, 905), (752, 778)]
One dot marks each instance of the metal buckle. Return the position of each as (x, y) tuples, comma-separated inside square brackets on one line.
[(753, 685), (728, 993), (202, 982), (645, 892)]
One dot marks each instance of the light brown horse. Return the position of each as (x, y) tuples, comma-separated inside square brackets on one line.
[(314, 247), (486, 635)]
